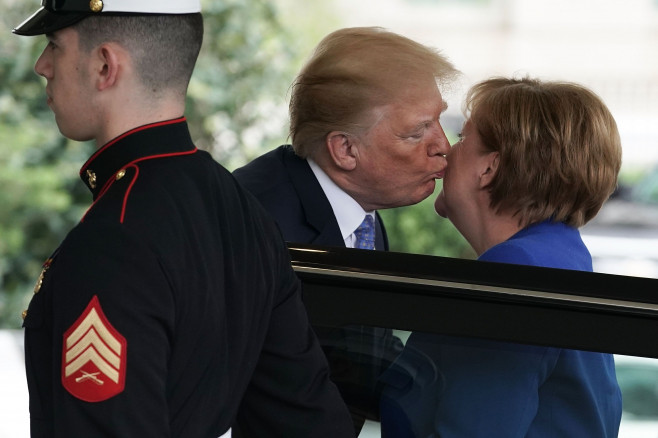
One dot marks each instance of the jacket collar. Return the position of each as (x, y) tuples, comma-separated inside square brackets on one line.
[(166, 138), (317, 209)]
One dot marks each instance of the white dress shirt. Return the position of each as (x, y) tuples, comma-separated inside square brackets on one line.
[(349, 214)]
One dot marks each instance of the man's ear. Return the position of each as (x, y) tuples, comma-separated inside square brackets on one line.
[(489, 168), (108, 62), (342, 149)]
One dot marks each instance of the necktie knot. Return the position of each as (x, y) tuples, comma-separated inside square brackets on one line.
[(365, 234)]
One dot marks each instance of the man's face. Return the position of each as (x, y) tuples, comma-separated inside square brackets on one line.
[(66, 70), (403, 153)]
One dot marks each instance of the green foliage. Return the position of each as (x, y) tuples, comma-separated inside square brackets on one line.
[(237, 105), (237, 109), (39, 199), (419, 229), (236, 95)]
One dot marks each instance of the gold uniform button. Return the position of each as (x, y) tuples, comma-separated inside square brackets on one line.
[(91, 179), (24, 314), (96, 5), (121, 174), (37, 287)]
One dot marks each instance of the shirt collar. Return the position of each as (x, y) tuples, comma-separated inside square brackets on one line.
[(166, 138), (349, 214)]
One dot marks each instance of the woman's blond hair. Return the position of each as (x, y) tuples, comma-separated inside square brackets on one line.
[(560, 151)]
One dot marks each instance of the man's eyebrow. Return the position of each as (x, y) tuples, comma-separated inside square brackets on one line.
[(427, 122)]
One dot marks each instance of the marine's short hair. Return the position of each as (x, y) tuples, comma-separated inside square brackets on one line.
[(352, 71), (560, 150), (164, 47)]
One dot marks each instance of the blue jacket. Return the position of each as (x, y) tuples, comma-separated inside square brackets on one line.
[(483, 388)]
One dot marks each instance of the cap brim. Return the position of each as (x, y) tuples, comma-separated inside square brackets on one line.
[(43, 21)]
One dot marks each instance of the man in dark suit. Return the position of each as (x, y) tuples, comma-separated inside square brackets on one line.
[(364, 124)]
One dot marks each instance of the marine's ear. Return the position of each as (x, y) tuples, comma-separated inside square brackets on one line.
[(342, 149), (109, 62)]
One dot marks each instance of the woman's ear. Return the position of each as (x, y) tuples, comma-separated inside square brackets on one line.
[(489, 168), (342, 149)]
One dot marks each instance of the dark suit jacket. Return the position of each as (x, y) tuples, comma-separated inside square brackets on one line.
[(287, 187), (285, 184)]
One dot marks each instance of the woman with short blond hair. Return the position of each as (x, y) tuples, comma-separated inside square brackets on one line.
[(535, 161)]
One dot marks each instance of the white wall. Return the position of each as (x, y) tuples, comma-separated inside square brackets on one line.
[(14, 412), (610, 46)]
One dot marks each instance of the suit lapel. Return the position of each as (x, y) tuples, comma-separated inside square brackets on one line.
[(317, 209), (381, 239)]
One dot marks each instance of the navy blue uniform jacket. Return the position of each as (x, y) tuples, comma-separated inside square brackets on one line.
[(171, 309)]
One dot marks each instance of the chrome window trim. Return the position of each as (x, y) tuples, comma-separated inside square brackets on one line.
[(525, 304), (568, 298)]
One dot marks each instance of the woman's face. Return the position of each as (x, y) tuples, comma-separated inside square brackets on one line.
[(468, 162)]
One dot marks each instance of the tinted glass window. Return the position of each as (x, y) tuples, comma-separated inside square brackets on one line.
[(438, 385)]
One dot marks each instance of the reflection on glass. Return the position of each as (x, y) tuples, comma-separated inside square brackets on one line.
[(450, 386)]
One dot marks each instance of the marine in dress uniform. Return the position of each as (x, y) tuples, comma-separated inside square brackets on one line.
[(171, 309)]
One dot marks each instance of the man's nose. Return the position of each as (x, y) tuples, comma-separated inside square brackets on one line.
[(439, 144)]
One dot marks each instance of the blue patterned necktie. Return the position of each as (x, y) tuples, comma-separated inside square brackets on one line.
[(365, 234)]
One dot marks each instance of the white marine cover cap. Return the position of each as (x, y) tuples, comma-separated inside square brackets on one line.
[(58, 14)]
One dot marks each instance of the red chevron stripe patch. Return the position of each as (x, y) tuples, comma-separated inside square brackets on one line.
[(93, 356)]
